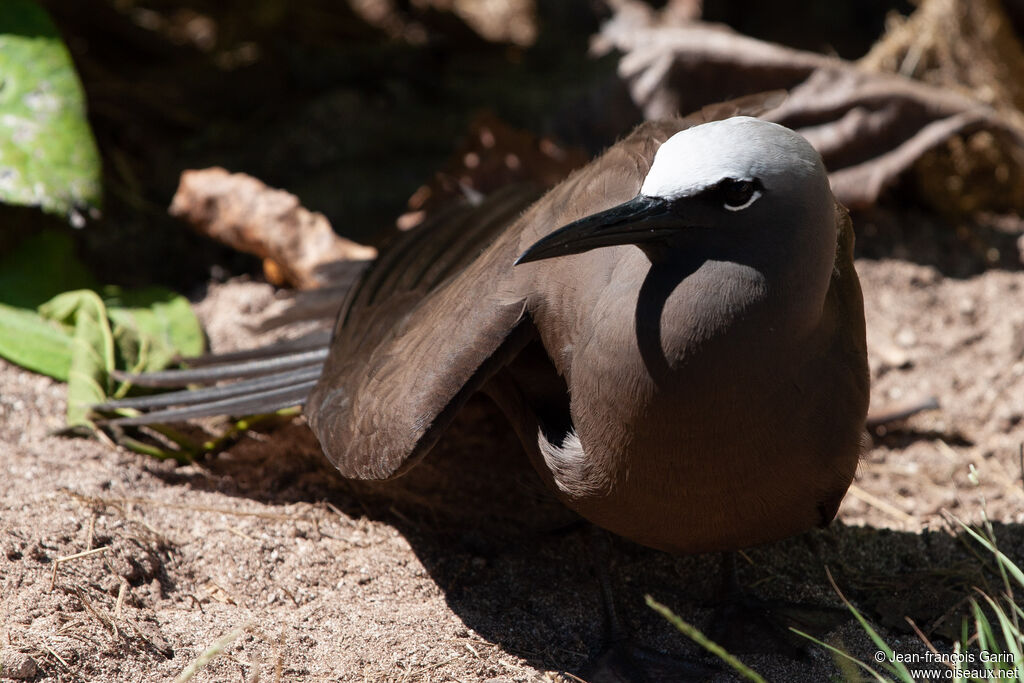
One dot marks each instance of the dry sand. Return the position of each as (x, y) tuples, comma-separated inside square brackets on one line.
[(465, 570)]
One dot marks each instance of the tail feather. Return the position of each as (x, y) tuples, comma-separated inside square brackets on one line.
[(217, 373), (319, 339), (243, 389), (261, 402)]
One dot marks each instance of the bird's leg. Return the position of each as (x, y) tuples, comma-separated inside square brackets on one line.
[(622, 659), (745, 623), (601, 556)]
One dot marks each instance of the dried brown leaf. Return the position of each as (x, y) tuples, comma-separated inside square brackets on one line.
[(242, 212)]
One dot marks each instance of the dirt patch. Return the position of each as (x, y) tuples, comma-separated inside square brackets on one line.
[(466, 569)]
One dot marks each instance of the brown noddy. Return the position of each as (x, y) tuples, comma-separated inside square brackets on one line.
[(684, 361), (676, 333)]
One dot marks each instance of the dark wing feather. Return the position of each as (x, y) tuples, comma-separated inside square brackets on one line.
[(435, 319), (419, 335), (280, 375), (422, 329)]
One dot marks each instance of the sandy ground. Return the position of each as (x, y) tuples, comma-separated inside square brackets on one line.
[(465, 570)]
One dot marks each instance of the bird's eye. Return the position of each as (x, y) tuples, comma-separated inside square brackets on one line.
[(736, 195)]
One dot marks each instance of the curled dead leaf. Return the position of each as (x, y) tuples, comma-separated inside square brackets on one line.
[(242, 212)]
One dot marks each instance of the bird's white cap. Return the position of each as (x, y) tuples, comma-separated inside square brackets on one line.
[(740, 148)]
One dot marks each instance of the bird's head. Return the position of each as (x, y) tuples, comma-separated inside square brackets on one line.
[(740, 181)]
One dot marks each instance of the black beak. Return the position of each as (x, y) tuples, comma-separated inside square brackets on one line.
[(641, 219)]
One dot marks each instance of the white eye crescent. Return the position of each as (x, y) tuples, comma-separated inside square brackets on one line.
[(737, 195)]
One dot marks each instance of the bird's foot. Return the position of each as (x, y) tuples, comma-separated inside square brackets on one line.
[(624, 661), (745, 624)]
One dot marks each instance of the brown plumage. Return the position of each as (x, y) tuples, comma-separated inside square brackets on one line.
[(704, 392), (684, 362)]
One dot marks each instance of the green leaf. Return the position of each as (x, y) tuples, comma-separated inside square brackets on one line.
[(141, 331), (41, 267), (34, 343), (92, 350), (79, 336), (48, 157), (152, 326)]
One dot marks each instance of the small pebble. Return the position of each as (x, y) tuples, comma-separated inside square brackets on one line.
[(18, 666), (906, 337)]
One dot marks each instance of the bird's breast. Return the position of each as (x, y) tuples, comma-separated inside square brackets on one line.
[(688, 423)]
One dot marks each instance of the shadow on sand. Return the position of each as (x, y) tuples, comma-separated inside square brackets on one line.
[(514, 564)]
